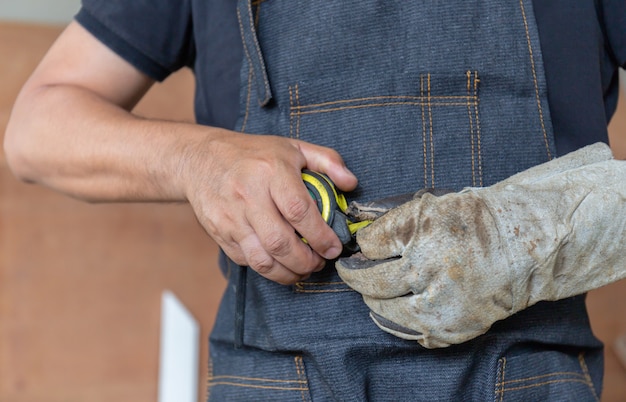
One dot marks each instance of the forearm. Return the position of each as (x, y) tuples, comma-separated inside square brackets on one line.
[(74, 141), (72, 130)]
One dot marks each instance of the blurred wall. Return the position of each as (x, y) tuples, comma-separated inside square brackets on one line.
[(81, 284), (55, 12)]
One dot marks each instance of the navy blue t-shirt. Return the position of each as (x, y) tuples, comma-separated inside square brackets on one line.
[(583, 43)]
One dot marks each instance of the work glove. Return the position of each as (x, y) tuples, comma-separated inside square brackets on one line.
[(442, 269)]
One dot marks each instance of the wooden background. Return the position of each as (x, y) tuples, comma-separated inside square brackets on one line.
[(80, 284)]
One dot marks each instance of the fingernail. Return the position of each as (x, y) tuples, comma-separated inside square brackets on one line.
[(332, 253)]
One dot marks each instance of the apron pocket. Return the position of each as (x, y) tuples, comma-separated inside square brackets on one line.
[(419, 131), (324, 281), (545, 376), (252, 374)]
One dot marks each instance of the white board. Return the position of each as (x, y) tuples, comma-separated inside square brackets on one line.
[(179, 352)]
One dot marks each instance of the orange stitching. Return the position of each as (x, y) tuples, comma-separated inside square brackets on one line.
[(208, 379), (478, 142), (297, 110), (423, 131), (299, 382), (300, 290), (583, 366), (301, 372), (235, 384), (408, 97), (558, 373), (540, 384), (260, 379), (471, 124), (296, 360), (248, 97), (432, 147), (503, 376), (300, 287), (499, 389), (500, 385), (290, 112), (250, 73), (378, 105), (298, 115), (259, 53), (247, 51), (532, 66)]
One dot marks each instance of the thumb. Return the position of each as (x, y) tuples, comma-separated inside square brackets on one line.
[(388, 236), (328, 161)]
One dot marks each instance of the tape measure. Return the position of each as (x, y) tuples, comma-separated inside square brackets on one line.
[(333, 207)]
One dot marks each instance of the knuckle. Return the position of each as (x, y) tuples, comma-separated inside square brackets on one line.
[(261, 263), (277, 245), (296, 209)]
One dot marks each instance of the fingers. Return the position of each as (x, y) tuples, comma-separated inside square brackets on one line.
[(261, 261), (416, 317), (257, 207), (249, 251), (378, 279), (261, 232), (329, 162), (395, 329), (399, 317), (388, 236), (279, 240), (296, 206), (288, 213)]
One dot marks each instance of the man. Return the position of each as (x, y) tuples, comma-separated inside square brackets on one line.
[(407, 96)]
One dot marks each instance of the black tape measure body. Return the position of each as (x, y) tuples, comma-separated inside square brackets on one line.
[(332, 206)]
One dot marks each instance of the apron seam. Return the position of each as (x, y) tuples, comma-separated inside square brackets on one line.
[(536, 84), (425, 154), (264, 93), (585, 369), (298, 114), (250, 71), (499, 394), (291, 113), (478, 130), (301, 373), (431, 133)]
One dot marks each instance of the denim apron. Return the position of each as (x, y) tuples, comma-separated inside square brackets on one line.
[(412, 94)]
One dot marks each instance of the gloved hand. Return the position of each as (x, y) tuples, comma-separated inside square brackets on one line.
[(442, 270)]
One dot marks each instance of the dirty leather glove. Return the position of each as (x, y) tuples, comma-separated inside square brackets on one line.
[(441, 270)]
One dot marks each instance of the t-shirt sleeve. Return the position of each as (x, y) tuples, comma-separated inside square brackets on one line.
[(155, 36), (614, 13)]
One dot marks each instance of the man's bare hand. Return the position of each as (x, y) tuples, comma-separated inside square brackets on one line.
[(248, 193)]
